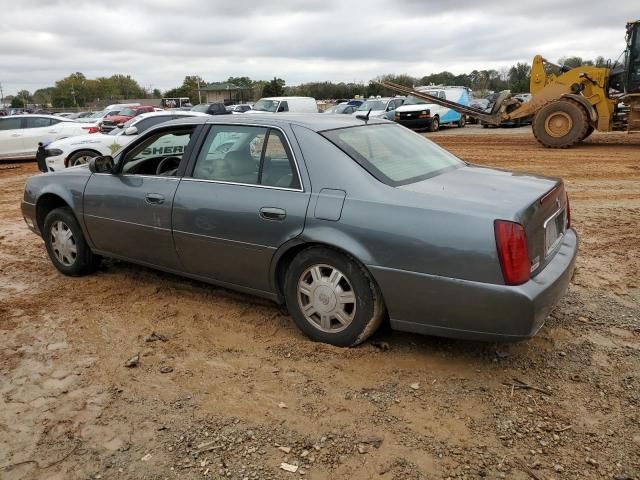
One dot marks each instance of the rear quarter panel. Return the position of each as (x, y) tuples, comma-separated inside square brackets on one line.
[(394, 228)]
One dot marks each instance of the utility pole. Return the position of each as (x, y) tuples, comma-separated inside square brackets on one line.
[(199, 93), (1, 96)]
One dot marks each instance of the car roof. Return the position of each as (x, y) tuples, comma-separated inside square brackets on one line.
[(313, 121), (285, 98), (40, 115)]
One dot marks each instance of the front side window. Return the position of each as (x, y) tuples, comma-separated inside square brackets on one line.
[(129, 112), (264, 105), (246, 155), (10, 123), (374, 105), (159, 154), (393, 154)]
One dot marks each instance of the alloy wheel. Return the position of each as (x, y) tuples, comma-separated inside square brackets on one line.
[(63, 243), (326, 298)]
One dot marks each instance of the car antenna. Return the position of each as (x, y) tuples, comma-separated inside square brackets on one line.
[(364, 117)]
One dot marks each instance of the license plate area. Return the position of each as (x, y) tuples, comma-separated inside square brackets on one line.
[(554, 229)]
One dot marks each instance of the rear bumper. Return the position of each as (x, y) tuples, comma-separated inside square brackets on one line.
[(30, 217), (448, 307)]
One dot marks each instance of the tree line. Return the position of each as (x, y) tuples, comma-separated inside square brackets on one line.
[(76, 90)]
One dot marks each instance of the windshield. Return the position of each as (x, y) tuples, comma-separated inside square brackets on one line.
[(266, 105), (116, 131), (128, 112), (393, 154), (411, 100), (97, 114), (336, 109), (202, 107), (374, 105)]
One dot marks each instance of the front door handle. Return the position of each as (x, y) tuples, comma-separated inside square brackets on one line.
[(154, 198), (271, 213)]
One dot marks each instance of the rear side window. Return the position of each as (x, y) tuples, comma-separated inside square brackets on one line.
[(38, 122), (246, 155), (10, 123), (393, 154), (147, 123)]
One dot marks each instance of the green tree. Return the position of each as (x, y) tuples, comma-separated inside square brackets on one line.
[(274, 88), (573, 62), (42, 96), (17, 102), (519, 78)]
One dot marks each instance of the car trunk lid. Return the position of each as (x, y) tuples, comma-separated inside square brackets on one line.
[(538, 203)]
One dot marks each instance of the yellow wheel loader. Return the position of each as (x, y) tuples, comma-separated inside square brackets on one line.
[(567, 104)]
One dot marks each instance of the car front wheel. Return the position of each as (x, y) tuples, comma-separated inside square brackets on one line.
[(332, 298), (81, 157), (66, 245)]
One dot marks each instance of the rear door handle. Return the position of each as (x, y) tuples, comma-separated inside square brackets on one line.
[(154, 198), (271, 213)]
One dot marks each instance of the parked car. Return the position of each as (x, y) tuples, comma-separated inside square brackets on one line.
[(419, 114), (112, 121), (63, 114), (376, 222), (75, 151), (239, 108), (380, 107), (517, 122), (285, 104), (20, 134), (75, 116), (214, 108), (342, 108)]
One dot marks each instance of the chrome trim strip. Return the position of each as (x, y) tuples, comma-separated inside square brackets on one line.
[(152, 227), (190, 179), (224, 239)]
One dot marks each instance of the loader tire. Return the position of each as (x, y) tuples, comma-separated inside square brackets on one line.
[(561, 124), (588, 133)]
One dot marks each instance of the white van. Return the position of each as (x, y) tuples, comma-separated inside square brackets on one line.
[(419, 114), (285, 104)]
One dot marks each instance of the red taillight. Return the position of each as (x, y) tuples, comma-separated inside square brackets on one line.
[(91, 129), (511, 241), (568, 213)]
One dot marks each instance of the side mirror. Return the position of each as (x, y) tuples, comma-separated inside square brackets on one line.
[(101, 164), (131, 130)]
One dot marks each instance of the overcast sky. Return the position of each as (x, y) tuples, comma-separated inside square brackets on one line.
[(158, 42)]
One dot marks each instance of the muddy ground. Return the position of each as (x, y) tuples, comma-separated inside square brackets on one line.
[(247, 391)]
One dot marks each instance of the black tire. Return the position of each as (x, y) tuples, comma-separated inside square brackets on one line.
[(368, 306), (462, 122), (434, 126), (590, 130), (76, 158), (573, 122), (80, 263)]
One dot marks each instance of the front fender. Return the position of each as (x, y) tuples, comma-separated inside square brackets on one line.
[(593, 115)]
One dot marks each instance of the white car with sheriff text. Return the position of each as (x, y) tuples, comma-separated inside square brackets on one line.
[(74, 151)]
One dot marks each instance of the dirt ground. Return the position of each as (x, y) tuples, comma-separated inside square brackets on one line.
[(244, 391)]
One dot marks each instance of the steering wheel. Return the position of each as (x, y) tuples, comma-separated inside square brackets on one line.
[(164, 162)]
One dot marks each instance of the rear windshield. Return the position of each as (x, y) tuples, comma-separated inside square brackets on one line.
[(393, 154)]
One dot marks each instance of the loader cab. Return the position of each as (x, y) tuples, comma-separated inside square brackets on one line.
[(632, 61)]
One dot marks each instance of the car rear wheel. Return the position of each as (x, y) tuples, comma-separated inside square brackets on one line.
[(435, 124), (332, 298), (81, 157), (66, 245)]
